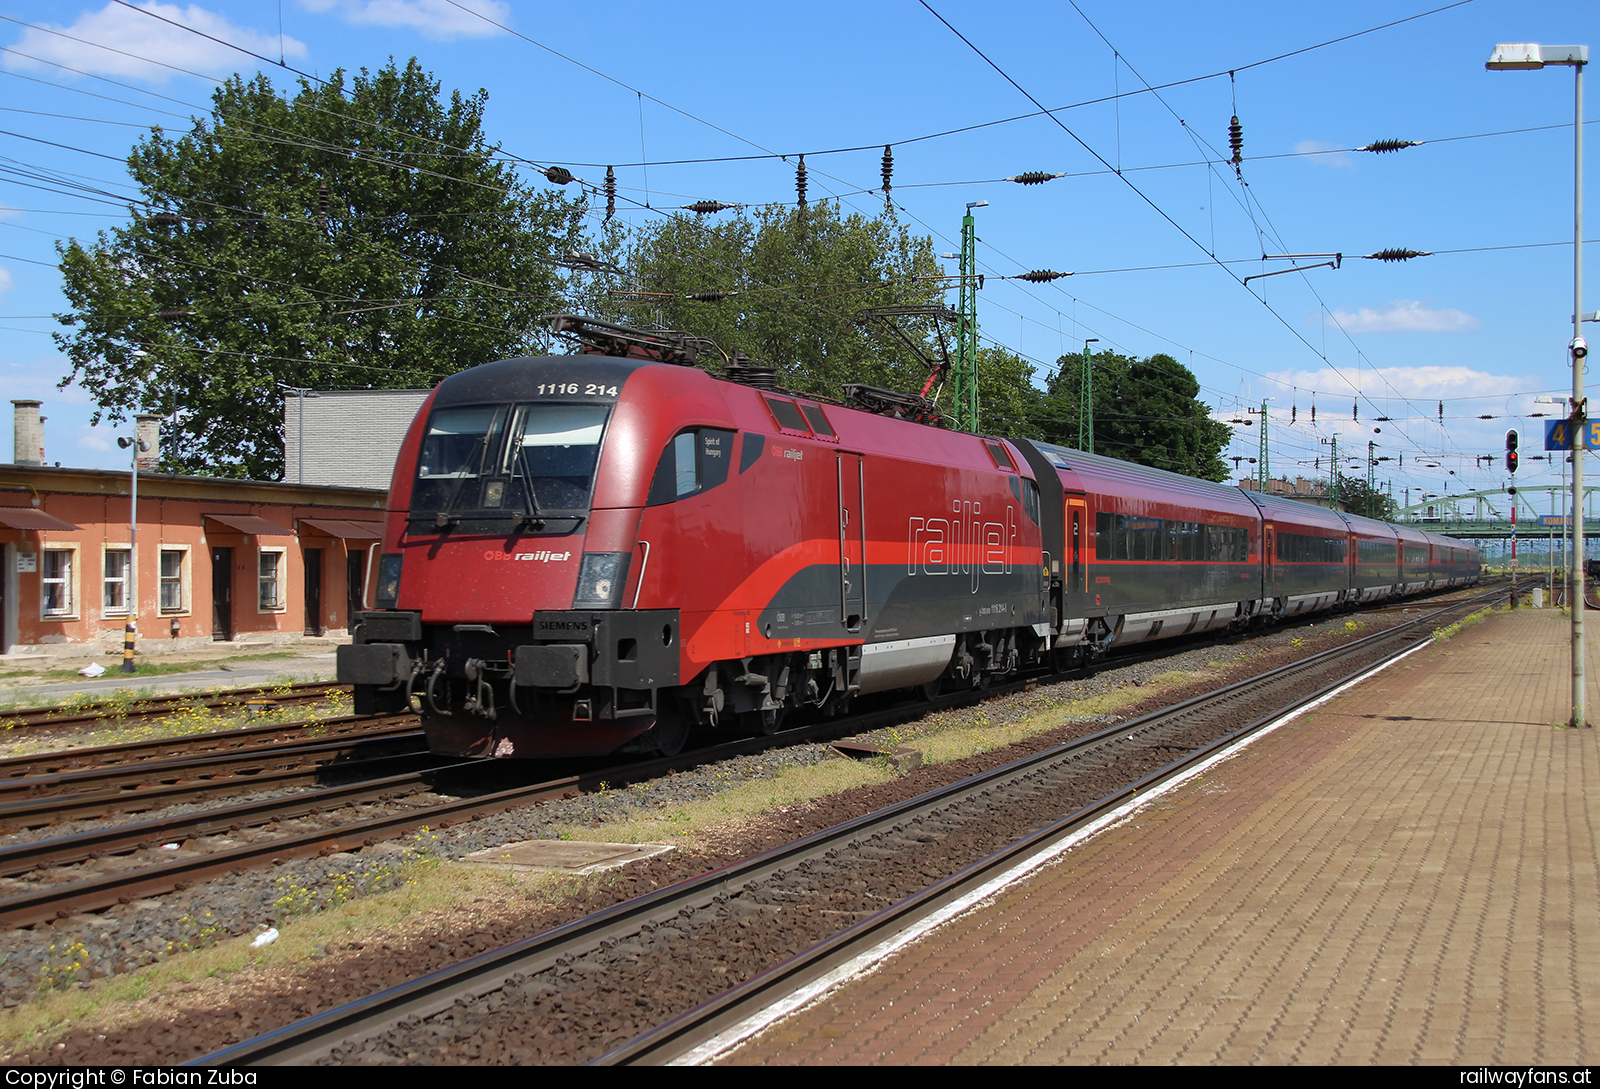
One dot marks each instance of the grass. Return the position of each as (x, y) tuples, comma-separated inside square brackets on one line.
[(428, 891), (186, 720), (148, 667)]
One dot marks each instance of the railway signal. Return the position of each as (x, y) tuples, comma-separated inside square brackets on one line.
[(1511, 451)]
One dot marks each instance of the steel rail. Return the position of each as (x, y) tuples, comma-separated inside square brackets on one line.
[(314, 1037), (132, 753), (150, 706), (213, 767)]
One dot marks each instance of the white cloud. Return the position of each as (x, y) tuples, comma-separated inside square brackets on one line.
[(1424, 383), (434, 19), (5, 280), (1405, 315), (143, 40), (1318, 153)]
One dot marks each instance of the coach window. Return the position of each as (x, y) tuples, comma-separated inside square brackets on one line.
[(693, 462)]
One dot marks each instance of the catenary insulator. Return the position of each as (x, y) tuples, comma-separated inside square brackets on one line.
[(611, 193), (706, 207), (1380, 146), (1041, 276), (1033, 177), (1236, 139), (172, 314), (709, 296), (166, 219), (888, 169), (1397, 255), (558, 175), (800, 181)]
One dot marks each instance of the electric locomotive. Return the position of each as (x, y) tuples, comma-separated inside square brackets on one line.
[(602, 551)]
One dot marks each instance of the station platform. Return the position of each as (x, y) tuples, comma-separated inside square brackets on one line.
[(1407, 874)]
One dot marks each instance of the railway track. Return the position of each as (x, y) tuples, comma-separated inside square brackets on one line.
[(266, 697), (773, 921), (369, 808)]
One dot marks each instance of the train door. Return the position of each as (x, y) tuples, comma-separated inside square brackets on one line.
[(1079, 537), (852, 541), (1269, 553)]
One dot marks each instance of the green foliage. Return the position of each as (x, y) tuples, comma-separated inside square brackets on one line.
[(1356, 498), (1145, 411), (359, 234), (803, 277)]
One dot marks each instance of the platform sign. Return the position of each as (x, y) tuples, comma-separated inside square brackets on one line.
[(1558, 435), (1561, 520)]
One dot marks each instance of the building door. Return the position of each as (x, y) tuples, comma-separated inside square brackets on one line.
[(221, 594), (355, 590), (313, 558)]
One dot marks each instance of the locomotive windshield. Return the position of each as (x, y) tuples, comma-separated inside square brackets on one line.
[(515, 461)]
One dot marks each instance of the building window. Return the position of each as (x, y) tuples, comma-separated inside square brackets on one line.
[(114, 593), (55, 583), (172, 580), (271, 581)]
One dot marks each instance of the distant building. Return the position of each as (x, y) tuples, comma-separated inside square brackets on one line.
[(350, 438), (1314, 492), (238, 561)]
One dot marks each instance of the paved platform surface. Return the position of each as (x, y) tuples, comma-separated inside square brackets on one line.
[(1406, 875)]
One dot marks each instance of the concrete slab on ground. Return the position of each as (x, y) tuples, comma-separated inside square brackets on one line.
[(567, 856)]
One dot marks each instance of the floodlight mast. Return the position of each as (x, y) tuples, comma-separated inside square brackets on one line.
[(1528, 56)]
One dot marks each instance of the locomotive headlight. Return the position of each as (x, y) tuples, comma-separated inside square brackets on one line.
[(601, 577)]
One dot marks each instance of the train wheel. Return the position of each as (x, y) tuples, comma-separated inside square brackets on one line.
[(929, 692), (671, 734)]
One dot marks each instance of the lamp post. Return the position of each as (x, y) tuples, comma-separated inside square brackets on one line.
[(1527, 57), (130, 632)]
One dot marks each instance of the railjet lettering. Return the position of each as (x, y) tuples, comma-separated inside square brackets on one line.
[(962, 544), (535, 557)]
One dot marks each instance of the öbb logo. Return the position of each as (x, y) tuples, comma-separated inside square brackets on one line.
[(537, 557)]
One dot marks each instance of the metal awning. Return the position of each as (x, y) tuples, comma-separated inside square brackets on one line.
[(249, 523), (345, 530), (28, 518)]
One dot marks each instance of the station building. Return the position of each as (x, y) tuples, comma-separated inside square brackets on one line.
[(217, 560)]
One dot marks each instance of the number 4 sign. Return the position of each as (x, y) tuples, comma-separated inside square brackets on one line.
[(1558, 435)]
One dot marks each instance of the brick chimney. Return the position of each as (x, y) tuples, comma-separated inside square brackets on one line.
[(28, 440)]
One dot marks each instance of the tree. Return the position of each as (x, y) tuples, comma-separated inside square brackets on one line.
[(1145, 411), (798, 284), (1356, 498), (355, 235)]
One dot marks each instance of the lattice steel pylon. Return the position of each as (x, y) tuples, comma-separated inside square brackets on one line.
[(1086, 400), (964, 375), (1263, 468)]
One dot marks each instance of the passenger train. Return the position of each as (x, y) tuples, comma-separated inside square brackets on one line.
[(604, 551)]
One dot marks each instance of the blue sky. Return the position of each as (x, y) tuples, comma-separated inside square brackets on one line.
[(1483, 330)]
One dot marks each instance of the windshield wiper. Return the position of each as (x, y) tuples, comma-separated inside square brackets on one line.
[(534, 517), (447, 516)]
